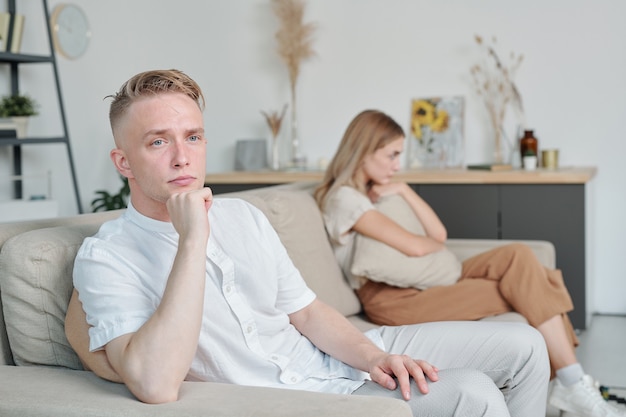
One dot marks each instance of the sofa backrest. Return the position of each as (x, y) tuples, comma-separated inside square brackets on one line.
[(294, 214), (36, 263), (10, 230)]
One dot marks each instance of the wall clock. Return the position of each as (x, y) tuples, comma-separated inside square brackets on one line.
[(70, 30)]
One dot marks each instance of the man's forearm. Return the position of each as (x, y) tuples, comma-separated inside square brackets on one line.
[(154, 361), (332, 333)]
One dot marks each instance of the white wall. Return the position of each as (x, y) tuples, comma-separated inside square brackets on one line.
[(371, 54)]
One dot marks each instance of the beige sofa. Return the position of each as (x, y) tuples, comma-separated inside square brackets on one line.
[(40, 375)]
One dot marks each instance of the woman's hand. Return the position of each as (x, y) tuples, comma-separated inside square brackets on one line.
[(433, 226), (381, 190)]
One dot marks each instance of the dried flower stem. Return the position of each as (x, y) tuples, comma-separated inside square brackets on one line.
[(295, 44), (494, 83), (274, 120), (295, 38)]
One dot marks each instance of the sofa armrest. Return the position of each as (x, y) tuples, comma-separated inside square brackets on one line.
[(466, 248), (57, 392)]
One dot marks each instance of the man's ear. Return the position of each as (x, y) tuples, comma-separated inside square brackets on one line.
[(121, 162)]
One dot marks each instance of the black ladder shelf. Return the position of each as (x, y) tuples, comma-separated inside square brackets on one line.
[(15, 60)]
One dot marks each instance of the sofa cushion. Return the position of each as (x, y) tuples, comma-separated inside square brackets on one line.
[(380, 262), (36, 284), (297, 220), (8, 230), (54, 392)]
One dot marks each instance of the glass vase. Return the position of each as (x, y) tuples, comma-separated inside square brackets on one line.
[(275, 154), (298, 160)]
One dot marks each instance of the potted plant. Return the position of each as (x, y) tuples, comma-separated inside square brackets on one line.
[(108, 201), (529, 160), (18, 108)]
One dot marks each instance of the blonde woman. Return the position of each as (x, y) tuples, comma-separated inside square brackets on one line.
[(508, 278)]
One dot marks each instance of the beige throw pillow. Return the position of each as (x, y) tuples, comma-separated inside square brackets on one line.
[(380, 262), (36, 284)]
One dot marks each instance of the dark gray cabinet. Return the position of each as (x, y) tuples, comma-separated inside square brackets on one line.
[(468, 211), (552, 212)]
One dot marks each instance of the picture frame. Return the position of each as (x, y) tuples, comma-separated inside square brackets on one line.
[(436, 132)]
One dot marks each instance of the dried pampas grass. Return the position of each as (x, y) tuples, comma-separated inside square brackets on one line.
[(295, 45), (274, 120), (295, 38)]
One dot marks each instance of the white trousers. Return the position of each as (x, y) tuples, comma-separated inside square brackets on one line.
[(486, 368)]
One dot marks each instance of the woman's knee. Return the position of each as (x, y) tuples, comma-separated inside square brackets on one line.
[(520, 250)]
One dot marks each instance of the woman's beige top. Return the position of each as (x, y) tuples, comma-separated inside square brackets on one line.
[(342, 210)]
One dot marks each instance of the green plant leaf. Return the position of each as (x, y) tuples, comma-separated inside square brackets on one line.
[(18, 105)]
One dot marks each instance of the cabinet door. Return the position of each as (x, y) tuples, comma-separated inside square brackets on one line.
[(467, 211), (231, 188), (555, 213)]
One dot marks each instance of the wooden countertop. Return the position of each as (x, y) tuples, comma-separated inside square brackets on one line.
[(563, 175)]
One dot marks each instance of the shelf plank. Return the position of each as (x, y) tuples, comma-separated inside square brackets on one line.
[(8, 57), (30, 141), (564, 175)]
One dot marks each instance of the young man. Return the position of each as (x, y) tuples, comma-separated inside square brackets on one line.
[(187, 287)]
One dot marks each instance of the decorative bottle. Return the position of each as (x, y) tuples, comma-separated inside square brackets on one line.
[(528, 146)]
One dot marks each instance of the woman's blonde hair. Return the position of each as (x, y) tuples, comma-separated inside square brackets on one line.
[(369, 131)]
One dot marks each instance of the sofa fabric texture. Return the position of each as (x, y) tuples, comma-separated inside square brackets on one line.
[(36, 291), (40, 375)]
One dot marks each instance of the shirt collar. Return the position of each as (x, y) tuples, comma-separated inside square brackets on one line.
[(146, 222)]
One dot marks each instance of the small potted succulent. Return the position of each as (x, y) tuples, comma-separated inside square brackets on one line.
[(18, 108), (529, 161)]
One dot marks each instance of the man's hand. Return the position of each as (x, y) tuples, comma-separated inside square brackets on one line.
[(385, 367), (188, 212), (332, 333)]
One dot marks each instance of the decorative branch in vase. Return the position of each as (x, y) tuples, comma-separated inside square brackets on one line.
[(493, 80), (274, 121), (295, 45)]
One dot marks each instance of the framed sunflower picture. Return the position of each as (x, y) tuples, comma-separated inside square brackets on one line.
[(436, 133)]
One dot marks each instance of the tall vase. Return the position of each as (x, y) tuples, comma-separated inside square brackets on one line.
[(504, 148), (498, 157), (275, 156), (297, 159)]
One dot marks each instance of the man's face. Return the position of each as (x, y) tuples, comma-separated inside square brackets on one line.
[(161, 149)]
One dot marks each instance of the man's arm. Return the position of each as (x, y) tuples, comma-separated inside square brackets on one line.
[(77, 333), (332, 333), (154, 361)]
